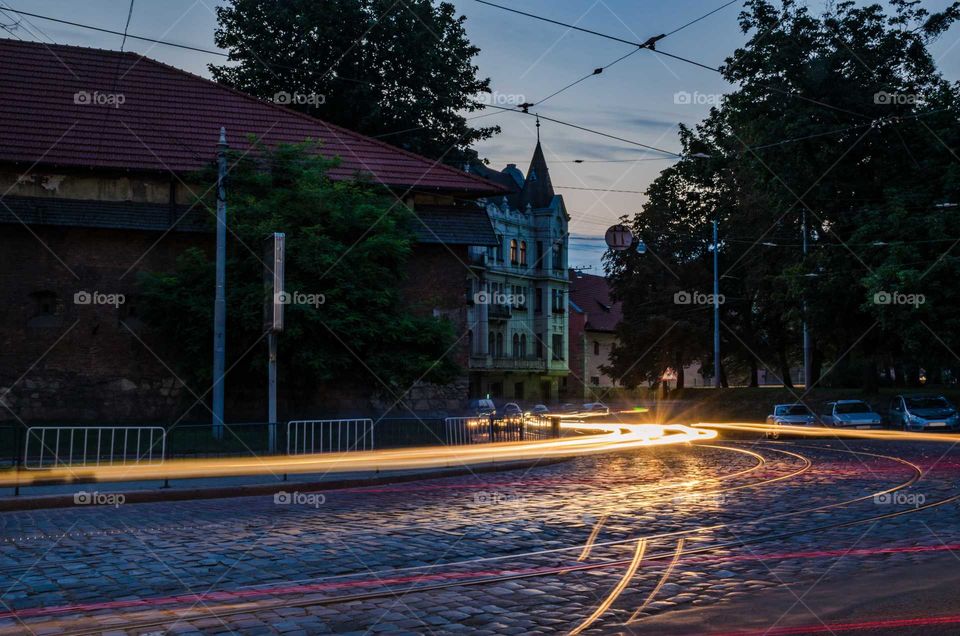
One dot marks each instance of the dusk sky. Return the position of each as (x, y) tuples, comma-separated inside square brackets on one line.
[(527, 60)]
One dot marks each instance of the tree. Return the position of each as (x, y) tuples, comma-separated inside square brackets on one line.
[(843, 121), (403, 71), (346, 249)]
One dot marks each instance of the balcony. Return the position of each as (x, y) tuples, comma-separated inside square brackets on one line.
[(494, 363), (499, 312)]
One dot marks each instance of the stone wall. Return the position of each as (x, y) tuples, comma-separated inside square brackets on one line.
[(64, 359)]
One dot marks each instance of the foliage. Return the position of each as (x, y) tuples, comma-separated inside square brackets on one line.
[(404, 71), (346, 243), (840, 126)]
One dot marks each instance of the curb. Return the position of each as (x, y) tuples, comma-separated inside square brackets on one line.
[(39, 502)]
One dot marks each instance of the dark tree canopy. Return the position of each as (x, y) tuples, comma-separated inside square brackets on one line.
[(401, 70), (841, 119), (347, 245)]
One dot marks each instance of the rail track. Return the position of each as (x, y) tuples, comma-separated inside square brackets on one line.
[(447, 580)]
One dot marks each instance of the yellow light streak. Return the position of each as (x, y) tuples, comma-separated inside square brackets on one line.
[(829, 431), (593, 536), (609, 437), (663, 579), (617, 590)]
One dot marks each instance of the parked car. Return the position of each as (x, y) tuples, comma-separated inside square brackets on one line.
[(482, 408), (596, 407), (790, 415), (851, 414), (511, 409), (540, 409), (923, 413)]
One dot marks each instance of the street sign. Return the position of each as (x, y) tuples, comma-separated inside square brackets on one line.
[(274, 295), (619, 237)]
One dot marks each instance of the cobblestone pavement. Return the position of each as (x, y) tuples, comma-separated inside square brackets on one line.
[(550, 549)]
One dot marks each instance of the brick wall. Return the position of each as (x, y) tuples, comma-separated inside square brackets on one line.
[(63, 361)]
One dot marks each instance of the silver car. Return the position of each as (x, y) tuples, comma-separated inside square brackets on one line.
[(790, 415), (851, 414), (923, 413)]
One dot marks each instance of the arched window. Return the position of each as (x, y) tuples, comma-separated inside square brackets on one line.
[(523, 252), (491, 345), (472, 344), (523, 346), (516, 346), (499, 345), (513, 251)]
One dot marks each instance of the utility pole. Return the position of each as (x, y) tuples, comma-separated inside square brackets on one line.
[(220, 303), (807, 370), (716, 308)]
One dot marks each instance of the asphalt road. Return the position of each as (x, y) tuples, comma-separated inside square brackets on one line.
[(788, 537)]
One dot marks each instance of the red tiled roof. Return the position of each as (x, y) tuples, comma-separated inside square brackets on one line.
[(591, 294), (170, 120)]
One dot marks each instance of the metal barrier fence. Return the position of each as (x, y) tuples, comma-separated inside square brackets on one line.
[(538, 427), (466, 430), (329, 436), (480, 430), (67, 446)]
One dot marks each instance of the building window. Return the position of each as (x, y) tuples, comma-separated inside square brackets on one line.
[(516, 346), (596, 348), (538, 308), (47, 309), (500, 247), (499, 345), (518, 390), (539, 346), (594, 380), (557, 353), (523, 346), (539, 262), (556, 301), (558, 256), (513, 251), (523, 252), (491, 344)]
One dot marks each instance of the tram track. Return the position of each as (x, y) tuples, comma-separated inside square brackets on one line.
[(515, 573)]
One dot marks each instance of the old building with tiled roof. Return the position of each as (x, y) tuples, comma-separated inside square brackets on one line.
[(96, 149), (519, 316), (594, 317)]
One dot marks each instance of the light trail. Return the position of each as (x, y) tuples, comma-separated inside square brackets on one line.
[(617, 590), (829, 431), (659, 585), (610, 437)]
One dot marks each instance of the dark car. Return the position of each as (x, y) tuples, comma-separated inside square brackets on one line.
[(923, 413)]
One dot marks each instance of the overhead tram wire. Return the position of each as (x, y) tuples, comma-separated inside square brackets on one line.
[(589, 130), (648, 45)]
